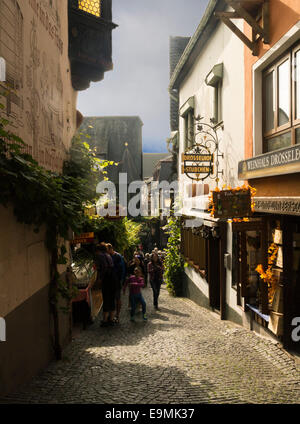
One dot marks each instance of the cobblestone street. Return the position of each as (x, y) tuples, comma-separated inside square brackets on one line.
[(183, 354)]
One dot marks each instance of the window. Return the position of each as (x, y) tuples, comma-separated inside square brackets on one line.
[(214, 79), (189, 129), (249, 247), (11, 42), (194, 249), (217, 116), (187, 113), (90, 6), (281, 102)]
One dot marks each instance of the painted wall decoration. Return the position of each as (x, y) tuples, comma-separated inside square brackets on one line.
[(12, 50), (41, 101)]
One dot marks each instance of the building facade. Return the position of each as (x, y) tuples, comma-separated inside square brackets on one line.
[(272, 160), (209, 81), (42, 66), (118, 139), (246, 271)]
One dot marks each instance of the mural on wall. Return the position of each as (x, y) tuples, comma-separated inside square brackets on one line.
[(33, 102), (37, 107), (45, 112), (12, 49)]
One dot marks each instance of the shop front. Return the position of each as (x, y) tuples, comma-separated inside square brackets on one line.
[(266, 273), (273, 297), (248, 267)]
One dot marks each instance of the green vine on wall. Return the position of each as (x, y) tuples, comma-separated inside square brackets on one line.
[(45, 199), (174, 263)]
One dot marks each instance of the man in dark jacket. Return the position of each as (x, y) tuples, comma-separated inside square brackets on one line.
[(118, 275)]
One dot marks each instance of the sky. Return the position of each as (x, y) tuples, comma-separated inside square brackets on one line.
[(138, 84)]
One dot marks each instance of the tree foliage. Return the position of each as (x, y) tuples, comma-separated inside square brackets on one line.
[(123, 234), (57, 202)]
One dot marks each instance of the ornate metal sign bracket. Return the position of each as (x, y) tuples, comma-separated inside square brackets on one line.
[(201, 160)]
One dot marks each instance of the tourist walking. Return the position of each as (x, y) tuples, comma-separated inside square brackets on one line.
[(107, 282), (146, 262), (118, 271), (138, 262), (136, 282), (155, 270)]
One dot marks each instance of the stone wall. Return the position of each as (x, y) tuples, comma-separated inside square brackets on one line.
[(40, 104)]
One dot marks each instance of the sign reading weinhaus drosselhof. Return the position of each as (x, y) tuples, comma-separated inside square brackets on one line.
[(279, 162), (279, 205)]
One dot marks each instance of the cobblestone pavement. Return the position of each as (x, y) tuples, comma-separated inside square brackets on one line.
[(183, 354)]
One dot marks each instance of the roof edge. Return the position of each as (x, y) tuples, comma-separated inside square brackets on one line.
[(210, 9)]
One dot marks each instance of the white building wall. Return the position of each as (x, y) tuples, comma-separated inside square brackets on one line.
[(219, 49), (222, 47)]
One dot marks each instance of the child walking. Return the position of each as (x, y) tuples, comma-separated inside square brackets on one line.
[(136, 282)]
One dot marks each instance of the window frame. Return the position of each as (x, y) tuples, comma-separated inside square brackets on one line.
[(189, 122), (218, 109), (214, 79), (242, 270), (187, 112), (295, 50), (293, 123)]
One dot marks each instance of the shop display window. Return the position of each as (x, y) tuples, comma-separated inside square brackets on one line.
[(247, 254), (296, 271)]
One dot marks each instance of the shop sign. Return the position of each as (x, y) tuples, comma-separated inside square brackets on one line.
[(279, 205), (284, 161), (83, 238), (229, 204), (197, 163)]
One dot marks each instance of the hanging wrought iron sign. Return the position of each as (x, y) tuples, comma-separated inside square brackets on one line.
[(198, 165), (201, 160)]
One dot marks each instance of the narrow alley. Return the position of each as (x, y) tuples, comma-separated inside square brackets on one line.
[(183, 354)]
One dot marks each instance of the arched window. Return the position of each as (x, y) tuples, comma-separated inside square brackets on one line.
[(90, 6)]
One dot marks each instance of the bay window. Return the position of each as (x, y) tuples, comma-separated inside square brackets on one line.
[(90, 6)]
